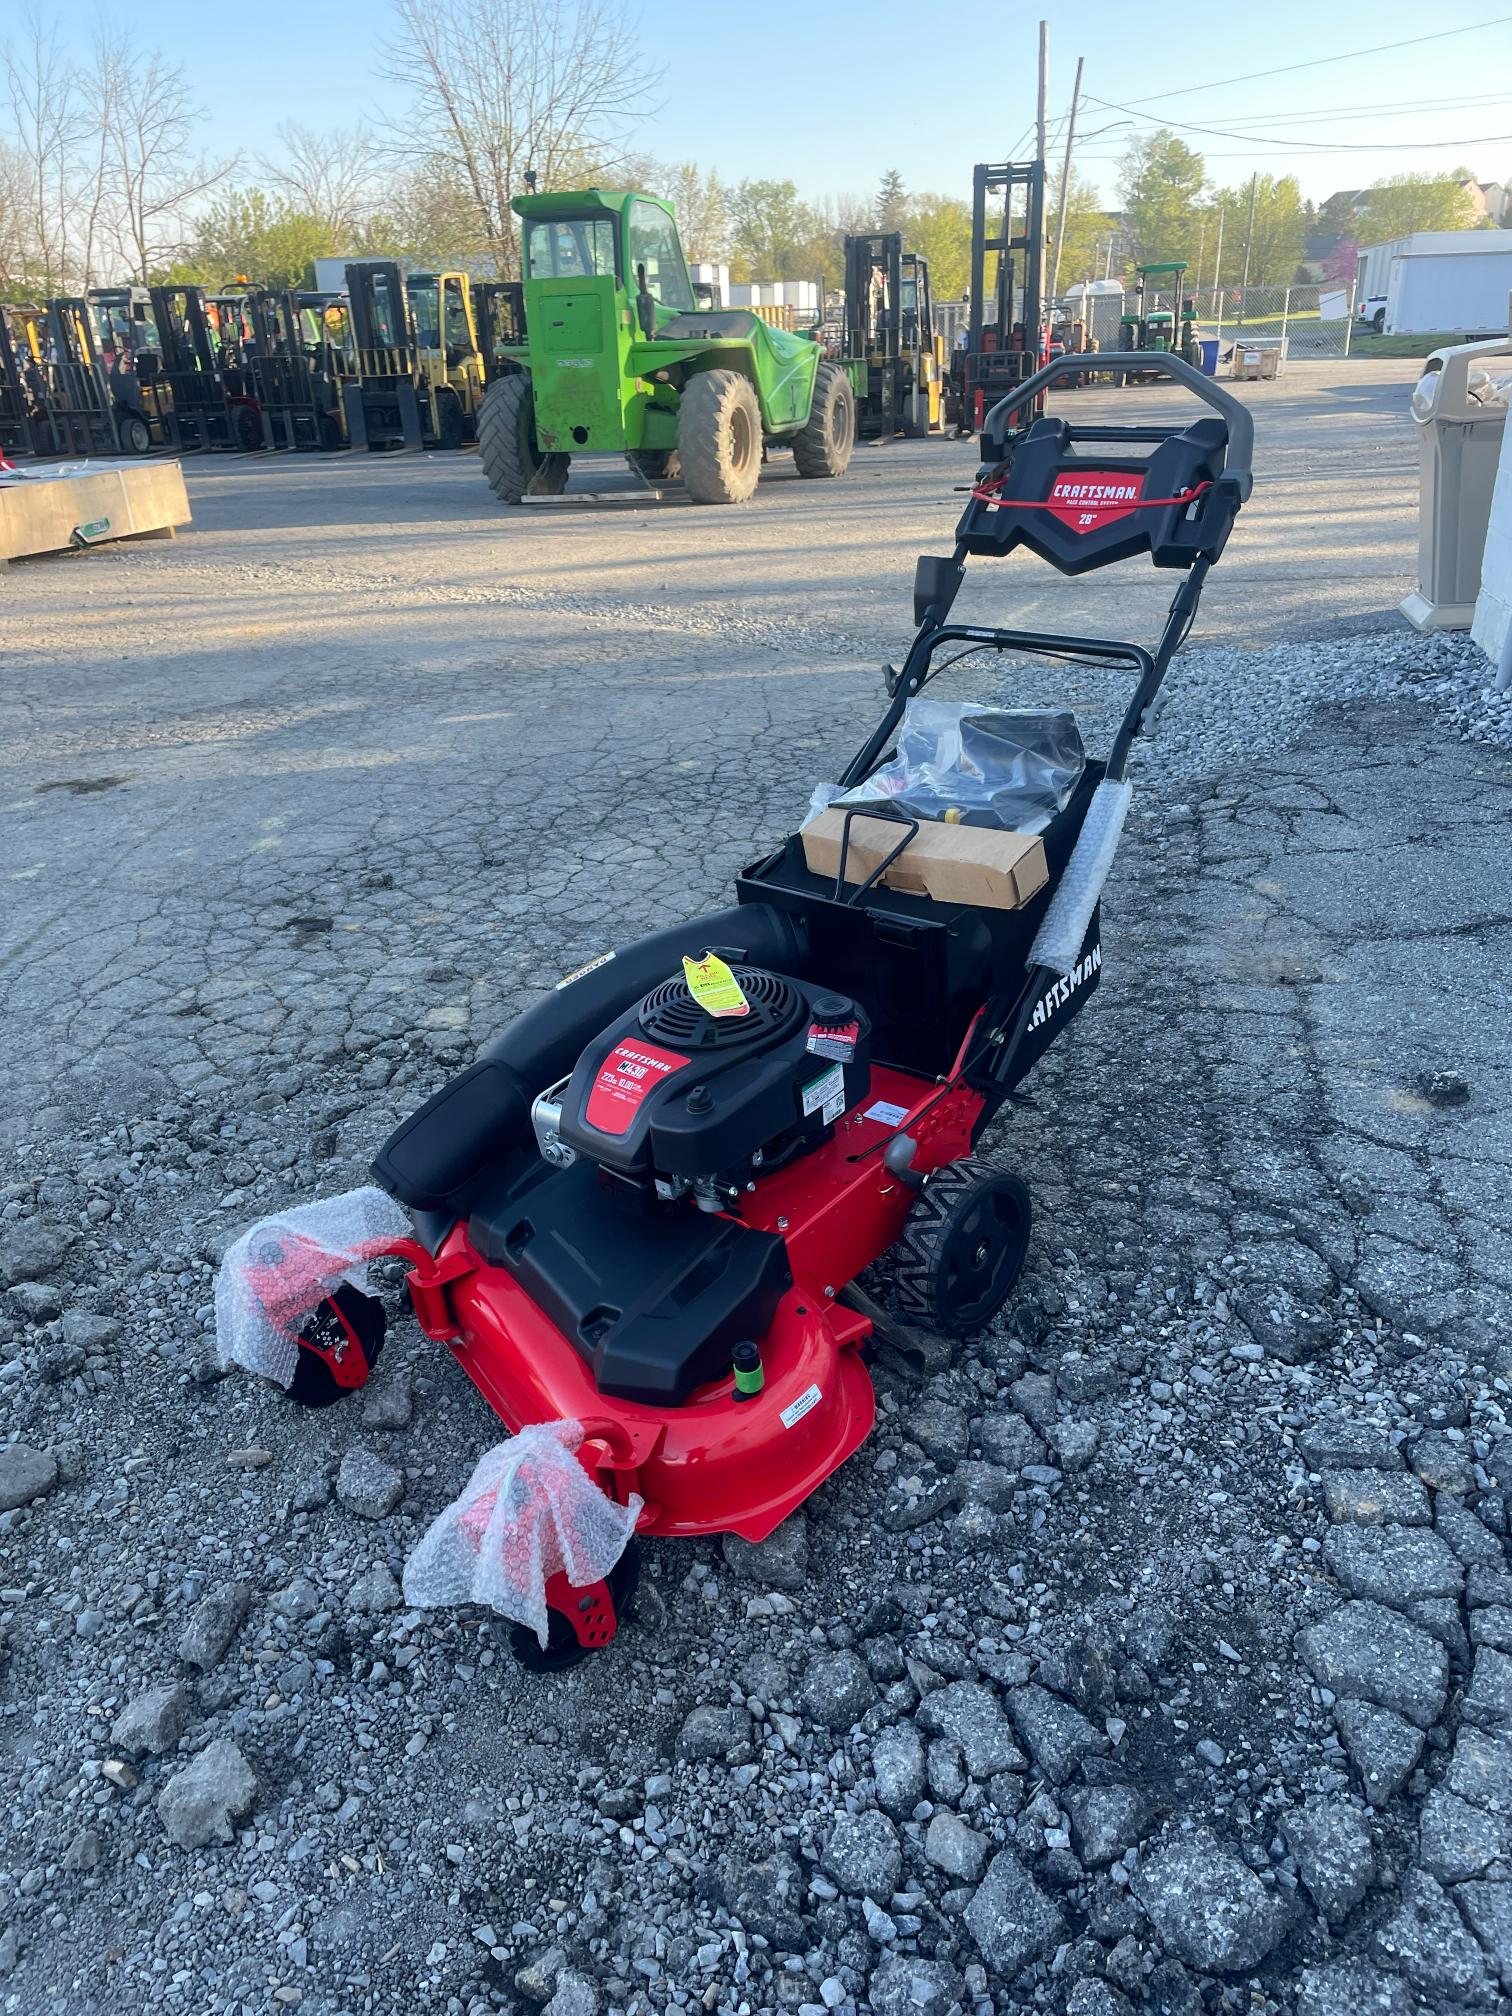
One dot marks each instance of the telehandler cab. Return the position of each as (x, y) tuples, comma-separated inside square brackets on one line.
[(618, 359)]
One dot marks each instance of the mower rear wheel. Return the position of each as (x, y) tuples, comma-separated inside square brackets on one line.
[(961, 1249), (822, 447), (563, 1647), (719, 437), (507, 446)]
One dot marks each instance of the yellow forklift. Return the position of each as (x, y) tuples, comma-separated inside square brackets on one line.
[(420, 372), (889, 329)]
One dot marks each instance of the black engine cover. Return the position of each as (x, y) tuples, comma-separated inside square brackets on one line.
[(671, 1090)]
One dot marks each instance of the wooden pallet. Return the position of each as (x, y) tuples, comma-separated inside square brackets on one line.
[(43, 512)]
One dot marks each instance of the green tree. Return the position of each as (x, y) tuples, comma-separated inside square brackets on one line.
[(431, 219), (703, 213), (1088, 227), (892, 202), (1400, 204), (1277, 242), (771, 230), (256, 236), (1161, 184), (938, 228)]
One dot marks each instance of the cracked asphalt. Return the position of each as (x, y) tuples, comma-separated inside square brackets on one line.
[(1109, 1711)]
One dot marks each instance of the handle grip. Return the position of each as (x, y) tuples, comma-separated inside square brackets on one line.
[(1241, 425)]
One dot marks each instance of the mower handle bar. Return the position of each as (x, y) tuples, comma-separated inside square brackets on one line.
[(1241, 425)]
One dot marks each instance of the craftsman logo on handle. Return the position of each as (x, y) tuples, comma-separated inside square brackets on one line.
[(1088, 499)]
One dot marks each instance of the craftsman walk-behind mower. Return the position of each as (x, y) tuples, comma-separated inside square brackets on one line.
[(639, 1217)]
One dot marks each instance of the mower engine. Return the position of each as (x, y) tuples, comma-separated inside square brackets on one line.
[(674, 1099)]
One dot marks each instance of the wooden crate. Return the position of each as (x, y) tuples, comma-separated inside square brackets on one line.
[(46, 513)]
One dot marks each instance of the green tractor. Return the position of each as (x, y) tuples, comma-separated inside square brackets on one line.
[(617, 358)]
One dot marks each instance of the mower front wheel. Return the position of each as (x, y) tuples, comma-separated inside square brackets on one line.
[(563, 1648), (962, 1248), (823, 445), (719, 437), (511, 457)]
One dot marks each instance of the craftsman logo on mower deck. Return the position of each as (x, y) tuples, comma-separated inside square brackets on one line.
[(1060, 992), (627, 1075), (1091, 498)]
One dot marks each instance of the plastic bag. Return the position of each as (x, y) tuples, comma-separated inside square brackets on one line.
[(273, 1277), (1015, 770), (529, 1510)]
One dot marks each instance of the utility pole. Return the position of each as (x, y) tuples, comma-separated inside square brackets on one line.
[(1065, 188), (1249, 238), (1044, 85), (1217, 260)]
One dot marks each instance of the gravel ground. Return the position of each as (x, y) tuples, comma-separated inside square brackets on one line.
[(1155, 1655)]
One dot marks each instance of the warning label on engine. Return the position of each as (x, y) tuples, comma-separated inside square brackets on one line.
[(1088, 499), (627, 1076), (806, 1402), (825, 1094), (714, 987), (838, 1040)]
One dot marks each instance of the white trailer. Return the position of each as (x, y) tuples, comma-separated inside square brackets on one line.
[(1433, 281)]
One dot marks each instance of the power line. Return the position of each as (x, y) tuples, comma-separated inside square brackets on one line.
[(1346, 147), (1319, 62)]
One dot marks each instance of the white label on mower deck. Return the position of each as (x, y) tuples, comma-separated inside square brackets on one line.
[(579, 972), (826, 1094), (886, 1112), (804, 1404)]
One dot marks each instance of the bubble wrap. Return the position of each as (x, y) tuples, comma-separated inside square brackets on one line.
[(529, 1509), (274, 1276), (1058, 942)]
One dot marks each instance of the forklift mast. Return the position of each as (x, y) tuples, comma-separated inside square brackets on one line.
[(1003, 352), (24, 426), (80, 405)]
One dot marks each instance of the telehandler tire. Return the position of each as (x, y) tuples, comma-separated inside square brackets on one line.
[(822, 447), (719, 437), (512, 462)]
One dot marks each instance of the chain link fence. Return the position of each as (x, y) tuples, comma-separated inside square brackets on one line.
[(1305, 322)]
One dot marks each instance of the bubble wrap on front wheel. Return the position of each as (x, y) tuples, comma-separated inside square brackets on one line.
[(529, 1510), (275, 1276)]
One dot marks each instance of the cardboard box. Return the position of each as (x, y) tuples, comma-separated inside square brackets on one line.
[(48, 511), (981, 865)]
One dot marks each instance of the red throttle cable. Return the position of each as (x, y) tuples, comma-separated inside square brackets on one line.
[(989, 493)]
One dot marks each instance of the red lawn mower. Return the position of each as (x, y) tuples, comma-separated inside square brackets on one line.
[(645, 1206)]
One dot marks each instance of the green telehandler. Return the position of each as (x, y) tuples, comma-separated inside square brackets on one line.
[(617, 358)]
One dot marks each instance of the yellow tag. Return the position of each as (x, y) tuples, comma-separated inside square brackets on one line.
[(714, 987)]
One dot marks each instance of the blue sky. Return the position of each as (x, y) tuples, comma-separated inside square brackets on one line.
[(782, 90)]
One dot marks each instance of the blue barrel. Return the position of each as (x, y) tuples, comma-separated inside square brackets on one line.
[(1208, 346)]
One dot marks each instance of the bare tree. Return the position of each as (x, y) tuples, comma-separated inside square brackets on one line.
[(152, 176), (16, 270), (328, 176), (502, 86), (703, 211), (42, 91)]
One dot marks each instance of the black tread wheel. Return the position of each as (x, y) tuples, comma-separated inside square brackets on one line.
[(451, 422), (512, 461), (961, 1249), (823, 445), (562, 1648), (249, 429), (657, 465), (347, 1320), (136, 435), (719, 437)]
